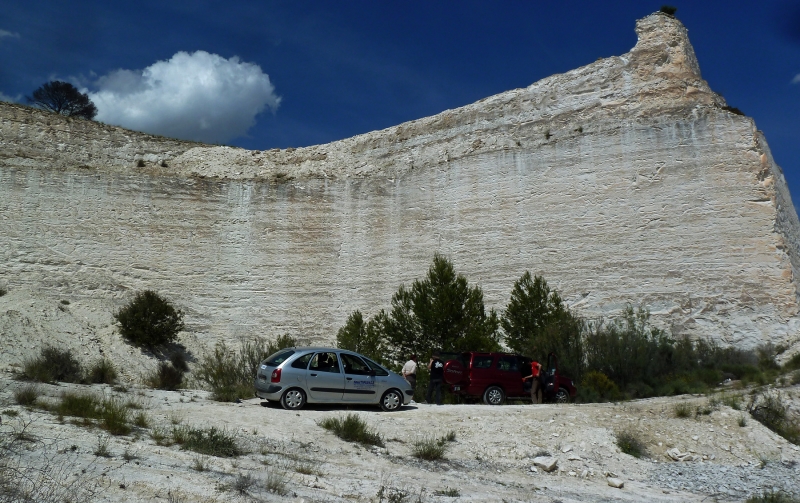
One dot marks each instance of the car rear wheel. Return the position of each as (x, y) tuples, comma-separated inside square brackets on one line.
[(562, 396), (494, 395), (391, 400), (293, 399)]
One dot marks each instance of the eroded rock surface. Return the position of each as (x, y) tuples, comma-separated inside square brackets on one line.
[(626, 180)]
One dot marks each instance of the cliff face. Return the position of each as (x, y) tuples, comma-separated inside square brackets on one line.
[(626, 180)]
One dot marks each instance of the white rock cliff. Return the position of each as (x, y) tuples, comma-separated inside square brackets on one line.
[(625, 181)]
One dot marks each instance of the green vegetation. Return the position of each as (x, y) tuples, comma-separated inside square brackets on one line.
[(773, 497), (230, 373), (166, 376), (668, 9), (449, 492), (432, 449), (53, 365), (361, 336), (629, 443), (768, 408), (209, 441), (352, 428), (102, 372), (149, 320), (441, 312), (684, 410), (27, 395), (110, 413)]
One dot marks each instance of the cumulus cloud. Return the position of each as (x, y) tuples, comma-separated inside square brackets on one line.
[(197, 96), (10, 99), (796, 79)]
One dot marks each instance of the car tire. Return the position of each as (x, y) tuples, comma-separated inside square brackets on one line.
[(494, 395), (293, 399), (391, 401), (562, 396)]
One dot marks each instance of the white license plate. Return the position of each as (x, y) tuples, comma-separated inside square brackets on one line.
[(456, 388)]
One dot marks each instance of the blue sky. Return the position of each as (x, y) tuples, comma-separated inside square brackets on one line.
[(290, 74)]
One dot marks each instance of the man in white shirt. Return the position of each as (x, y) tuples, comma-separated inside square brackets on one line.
[(409, 372)]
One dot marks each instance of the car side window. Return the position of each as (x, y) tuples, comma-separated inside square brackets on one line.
[(379, 371), (482, 362), (508, 363), (302, 362), (325, 362), (354, 365)]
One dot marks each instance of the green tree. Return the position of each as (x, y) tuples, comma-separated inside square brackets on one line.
[(149, 320), (439, 312), (361, 336), (536, 322), (63, 98)]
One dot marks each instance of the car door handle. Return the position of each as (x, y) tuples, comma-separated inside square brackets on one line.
[(349, 378), (313, 375)]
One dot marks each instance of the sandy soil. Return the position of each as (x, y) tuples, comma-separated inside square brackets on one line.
[(490, 459)]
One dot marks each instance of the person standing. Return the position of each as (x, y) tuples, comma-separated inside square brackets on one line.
[(409, 372), (536, 382), (436, 366)]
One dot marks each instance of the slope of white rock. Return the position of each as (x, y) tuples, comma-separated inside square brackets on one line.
[(625, 181)]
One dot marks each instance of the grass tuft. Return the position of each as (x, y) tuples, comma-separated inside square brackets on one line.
[(27, 395), (773, 497), (629, 443), (684, 410), (102, 372), (430, 449), (210, 441), (352, 429)]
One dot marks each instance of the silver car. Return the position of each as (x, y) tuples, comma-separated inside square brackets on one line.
[(296, 376)]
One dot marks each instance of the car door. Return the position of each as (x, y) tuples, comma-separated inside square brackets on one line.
[(508, 371), (359, 380), (324, 379)]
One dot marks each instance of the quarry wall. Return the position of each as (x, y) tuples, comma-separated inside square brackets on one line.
[(627, 180)]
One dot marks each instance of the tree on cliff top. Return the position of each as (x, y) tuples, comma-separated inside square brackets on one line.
[(63, 98)]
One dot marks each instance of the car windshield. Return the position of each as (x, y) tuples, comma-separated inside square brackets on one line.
[(276, 359)]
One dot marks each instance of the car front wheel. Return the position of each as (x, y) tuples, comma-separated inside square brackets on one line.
[(562, 396), (391, 400), (293, 399), (494, 395)]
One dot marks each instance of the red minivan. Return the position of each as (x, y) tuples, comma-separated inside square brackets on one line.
[(495, 377)]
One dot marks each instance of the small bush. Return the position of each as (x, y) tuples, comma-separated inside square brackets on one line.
[(27, 395), (165, 376), (684, 410), (429, 449), (773, 497), (83, 405), (141, 420), (210, 441), (102, 372), (102, 447), (275, 482), (53, 365), (149, 320), (629, 443), (448, 492), (243, 483), (352, 429), (178, 360), (668, 10), (114, 417), (769, 409), (742, 422), (600, 384), (230, 373)]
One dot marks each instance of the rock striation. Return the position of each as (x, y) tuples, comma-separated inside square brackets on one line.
[(624, 181)]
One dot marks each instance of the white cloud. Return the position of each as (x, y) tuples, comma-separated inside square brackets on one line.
[(197, 96), (10, 99), (796, 79), (6, 33)]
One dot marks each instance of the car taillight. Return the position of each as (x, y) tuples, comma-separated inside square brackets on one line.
[(276, 376)]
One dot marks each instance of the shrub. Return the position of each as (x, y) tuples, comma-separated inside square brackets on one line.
[(230, 373), (429, 449), (114, 416), (149, 320), (53, 365), (768, 408), (102, 372), (773, 497), (275, 482), (683, 410), (165, 376), (629, 443), (242, 483), (83, 405), (599, 383), (27, 395), (210, 441), (668, 9), (352, 429)]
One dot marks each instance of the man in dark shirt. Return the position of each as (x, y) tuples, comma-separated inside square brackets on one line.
[(436, 366)]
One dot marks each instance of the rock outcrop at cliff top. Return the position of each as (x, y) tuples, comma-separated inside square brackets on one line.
[(626, 180)]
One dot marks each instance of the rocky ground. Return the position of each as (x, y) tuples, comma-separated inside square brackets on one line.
[(289, 457)]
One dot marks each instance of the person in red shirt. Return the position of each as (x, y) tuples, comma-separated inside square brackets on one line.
[(536, 383)]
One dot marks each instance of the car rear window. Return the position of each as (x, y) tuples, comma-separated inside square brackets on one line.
[(508, 363), (302, 362), (276, 359)]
